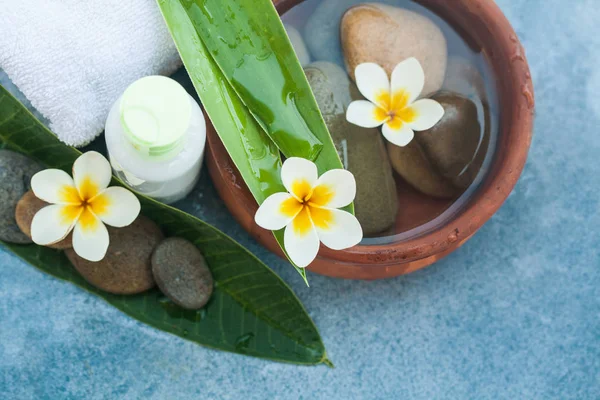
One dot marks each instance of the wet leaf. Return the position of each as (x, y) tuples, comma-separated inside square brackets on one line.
[(254, 154), (249, 300)]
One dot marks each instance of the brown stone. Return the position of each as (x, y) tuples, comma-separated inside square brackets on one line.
[(26, 209), (440, 161), (387, 35), (452, 143), (463, 77), (127, 267), (411, 163)]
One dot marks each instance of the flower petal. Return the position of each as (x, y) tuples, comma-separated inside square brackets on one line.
[(408, 76), (53, 223), (277, 211), (92, 174), (341, 231), (299, 176), (366, 114), (335, 189), (54, 186), (372, 81), (426, 113), (300, 240), (116, 206), (398, 133), (90, 237)]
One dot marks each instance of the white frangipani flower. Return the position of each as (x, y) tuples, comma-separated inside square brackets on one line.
[(393, 105), (82, 204), (309, 211)]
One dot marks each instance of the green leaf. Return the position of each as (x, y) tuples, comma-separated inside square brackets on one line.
[(253, 153), (219, 35), (247, 40), (252, 310)]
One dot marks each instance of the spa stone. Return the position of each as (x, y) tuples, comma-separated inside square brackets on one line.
[(16, 171), (298, 44), (412, 164), (362, 150), (182, 274), (438, 162), (127, 268), (322, 30), (388, 35), (451, 144), (463, 77), (26, 209)]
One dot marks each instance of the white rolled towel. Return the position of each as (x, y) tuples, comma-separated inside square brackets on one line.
[(73, 58)]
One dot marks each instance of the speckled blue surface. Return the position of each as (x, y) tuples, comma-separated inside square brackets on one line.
[(513, 314)]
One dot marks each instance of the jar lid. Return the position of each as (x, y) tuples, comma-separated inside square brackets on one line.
[(155, 115)]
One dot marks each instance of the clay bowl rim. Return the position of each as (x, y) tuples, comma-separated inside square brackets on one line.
[(484, 26)]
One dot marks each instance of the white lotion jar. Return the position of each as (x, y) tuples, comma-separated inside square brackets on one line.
[(155, 134)]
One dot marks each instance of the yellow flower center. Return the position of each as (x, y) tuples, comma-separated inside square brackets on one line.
[(394, 109), (306, 206), (83, 204)]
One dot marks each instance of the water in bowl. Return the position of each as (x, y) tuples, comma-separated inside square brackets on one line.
[(402, 192)]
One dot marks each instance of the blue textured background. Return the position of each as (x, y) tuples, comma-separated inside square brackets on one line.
[(515, 313)]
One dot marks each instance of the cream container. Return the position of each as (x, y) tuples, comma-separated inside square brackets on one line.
[(155, 134)]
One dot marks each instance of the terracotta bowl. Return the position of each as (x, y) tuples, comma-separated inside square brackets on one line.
[(484, 26)]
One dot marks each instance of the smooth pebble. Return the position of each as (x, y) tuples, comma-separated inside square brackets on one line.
[(16, 171), (127, 267), (182, 273)]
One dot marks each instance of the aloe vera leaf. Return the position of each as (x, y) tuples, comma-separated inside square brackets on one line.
[(252, 311), (261, 66), (253, 153), (248, 42)]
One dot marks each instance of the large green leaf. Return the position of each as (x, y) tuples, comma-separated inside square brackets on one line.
[(248, 42), (254, 154), (252, 310)]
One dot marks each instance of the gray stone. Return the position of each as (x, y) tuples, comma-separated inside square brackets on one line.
[(16, 171), (298, 44), (362, 150), (463, 77), (388, 35), (182, 274), (331, 87), (127, 267)]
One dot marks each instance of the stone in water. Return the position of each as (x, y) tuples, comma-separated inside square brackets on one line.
[(388, 35), (361, 150), (441, 161)]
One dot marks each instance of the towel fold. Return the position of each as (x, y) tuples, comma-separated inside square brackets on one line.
[(73, 58)]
